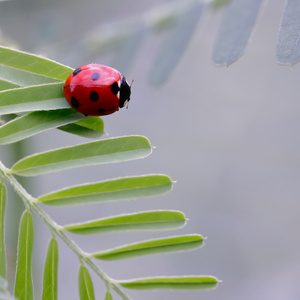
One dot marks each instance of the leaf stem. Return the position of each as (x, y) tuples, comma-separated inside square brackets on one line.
[(55, 228)]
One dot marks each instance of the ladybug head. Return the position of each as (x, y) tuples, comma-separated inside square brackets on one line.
[(125, 91)]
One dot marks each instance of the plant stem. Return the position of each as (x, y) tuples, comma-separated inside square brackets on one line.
[(55, 228)]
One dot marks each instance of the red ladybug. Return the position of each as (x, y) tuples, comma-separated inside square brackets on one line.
[(96, 90)]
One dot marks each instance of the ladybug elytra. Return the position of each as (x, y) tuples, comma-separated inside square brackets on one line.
[(96, 90)]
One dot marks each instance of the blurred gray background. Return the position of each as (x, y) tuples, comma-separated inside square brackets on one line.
[(228, 136)]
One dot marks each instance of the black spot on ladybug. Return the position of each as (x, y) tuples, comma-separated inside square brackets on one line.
[(94, 96), (101, 111), (115, 88), (95, 76), (125, 92), (75, 102), (77, 71)]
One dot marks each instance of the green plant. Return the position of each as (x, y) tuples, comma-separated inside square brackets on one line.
[(31, 93)]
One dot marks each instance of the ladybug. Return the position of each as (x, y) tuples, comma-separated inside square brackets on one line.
[(96, 90)]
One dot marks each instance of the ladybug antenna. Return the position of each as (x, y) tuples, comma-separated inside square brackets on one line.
[(131, 82)]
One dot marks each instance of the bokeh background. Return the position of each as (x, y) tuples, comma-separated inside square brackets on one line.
[(228, 136)]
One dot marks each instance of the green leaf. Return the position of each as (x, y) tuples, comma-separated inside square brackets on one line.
[(151, 220), (50, 272), (86, 289), (38, 97), (108, 296), (23, 281), (157, 246), (32, 66), (5, 85), (288, 46), (36, 122), (176, 44), (113, 190), (92, 153), (90, 127), (2, 230), (12, 77), (177, 283), (235, 30)]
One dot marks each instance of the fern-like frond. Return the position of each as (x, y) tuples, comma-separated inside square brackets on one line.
[(39, 105)]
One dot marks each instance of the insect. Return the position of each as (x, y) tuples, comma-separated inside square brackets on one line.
[(96, 90)]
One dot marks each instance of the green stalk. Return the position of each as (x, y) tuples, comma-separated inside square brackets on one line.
[(55, 228)]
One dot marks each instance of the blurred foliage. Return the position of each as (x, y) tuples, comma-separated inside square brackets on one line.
[(219, 3)]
